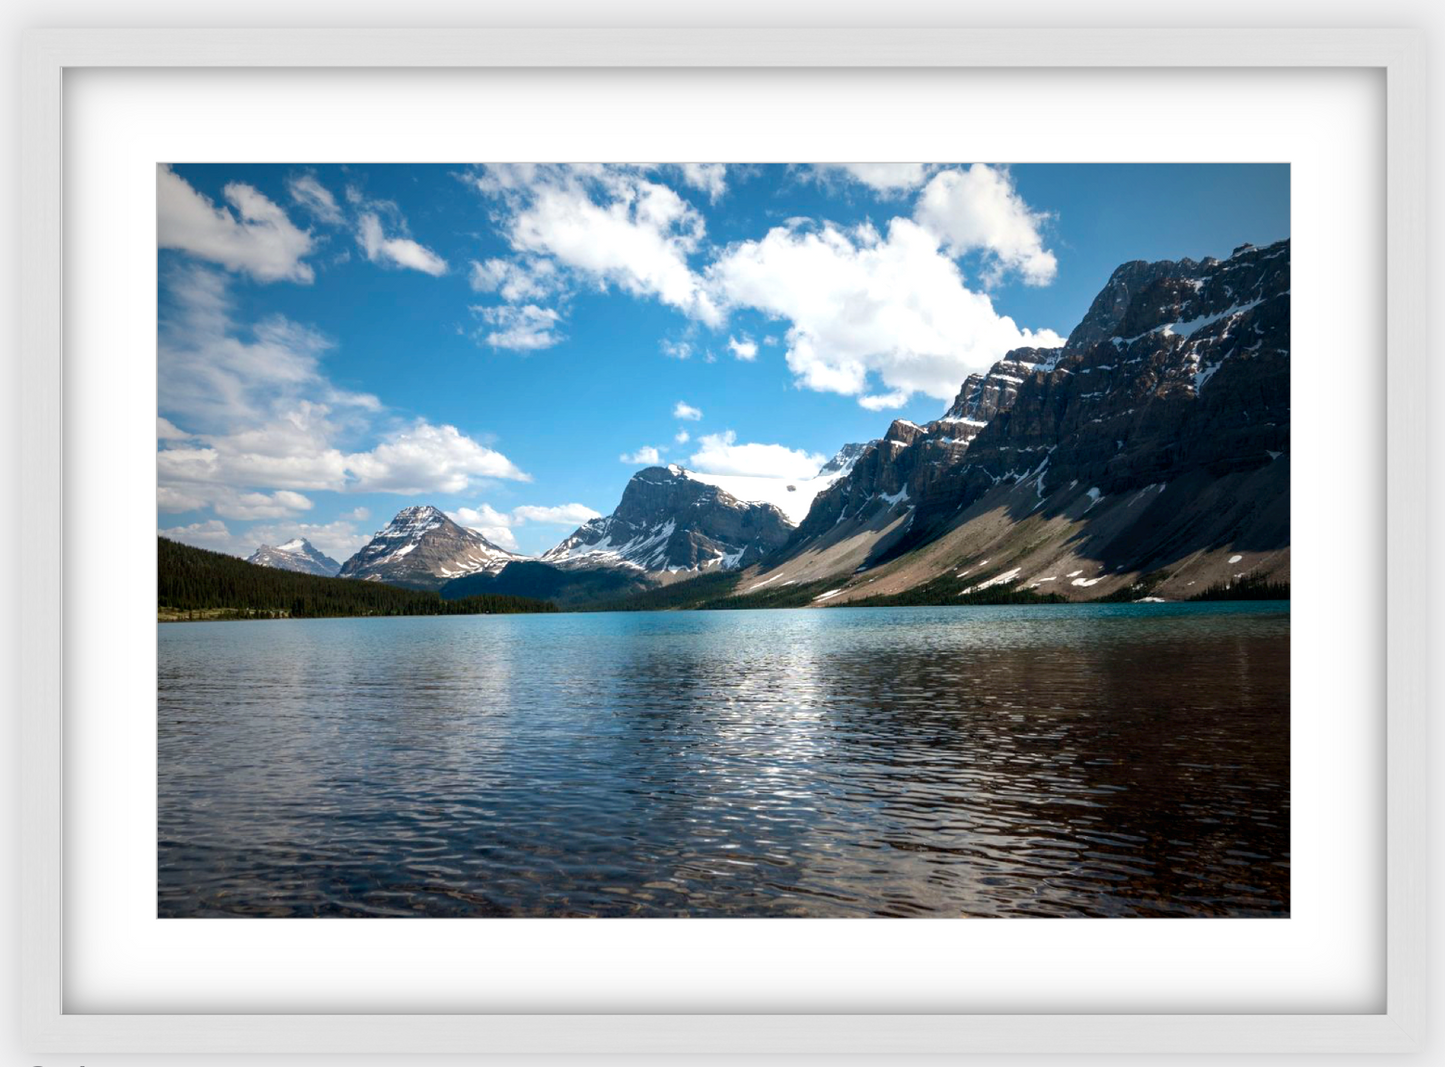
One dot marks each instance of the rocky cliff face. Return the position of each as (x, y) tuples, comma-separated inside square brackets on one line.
[(1177, 368), (423, 549), (1177, 375), (296, 555), (669, 522)]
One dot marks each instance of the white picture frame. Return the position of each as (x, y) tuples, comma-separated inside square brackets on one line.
[(49, 54)]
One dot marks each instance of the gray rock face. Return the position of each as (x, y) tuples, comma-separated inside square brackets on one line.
[(984, 395), (297, 555), (842, 462), (1177, 368), (423, 549), (669, 522)]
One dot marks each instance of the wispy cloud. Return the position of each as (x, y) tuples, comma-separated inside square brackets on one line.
[(745, 350), (889, 179), (307, 191), (396, 251), (522, 328), (254, 236), (606, 225), (251, 422), (646, 456), (875, 312)]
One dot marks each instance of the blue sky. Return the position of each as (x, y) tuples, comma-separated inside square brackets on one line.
[(512, 343)]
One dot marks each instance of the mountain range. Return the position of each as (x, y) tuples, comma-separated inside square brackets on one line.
[(1146, 458)]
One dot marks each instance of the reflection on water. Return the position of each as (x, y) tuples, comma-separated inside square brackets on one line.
[(1066, 760)]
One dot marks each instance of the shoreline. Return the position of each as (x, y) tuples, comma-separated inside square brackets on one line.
[(233, 615)]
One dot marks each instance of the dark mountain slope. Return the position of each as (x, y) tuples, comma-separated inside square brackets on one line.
[(1176, 381)]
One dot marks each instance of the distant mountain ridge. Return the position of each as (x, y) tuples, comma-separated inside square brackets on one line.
[(298, 555), (198, 584)]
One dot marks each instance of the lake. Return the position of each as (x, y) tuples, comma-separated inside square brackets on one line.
[(1061, 760)]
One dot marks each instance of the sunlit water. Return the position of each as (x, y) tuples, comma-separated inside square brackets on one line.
[(987, 761)]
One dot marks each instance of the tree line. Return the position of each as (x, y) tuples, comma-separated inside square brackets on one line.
[(198, 580)]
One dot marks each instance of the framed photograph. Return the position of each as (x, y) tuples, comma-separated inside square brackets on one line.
[(818, 504)]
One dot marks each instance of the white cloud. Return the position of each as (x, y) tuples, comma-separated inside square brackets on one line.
[(710, 178), (523, 328), (359, 514), (173, 499), (314, 197), (682, 437), (276, 421), (865, 308), (647, 456), (284, 502), (745, 350), (217, 374), (291, 450), (398, 251), (427, 458), (560, 515), (496, 526), (887, 178), (610, 225), (979, 209), (861, 304), (168, 431), (211, 534), (683, 410), (719, 453), (528, 279), (492, 524), (258, 239), (883, 401)]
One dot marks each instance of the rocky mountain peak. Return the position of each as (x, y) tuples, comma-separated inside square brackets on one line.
[(842, 462), (1180, 370), (984, 395), (298, 555), (422, 548), (1109, 308), (903, 432), (668, 521)]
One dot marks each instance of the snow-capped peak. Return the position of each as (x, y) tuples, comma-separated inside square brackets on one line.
[(422, 547), (298, 554)]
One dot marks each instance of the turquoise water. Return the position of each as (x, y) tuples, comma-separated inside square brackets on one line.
[(973, 761)]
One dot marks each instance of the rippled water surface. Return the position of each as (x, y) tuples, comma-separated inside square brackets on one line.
[(986, 761)]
